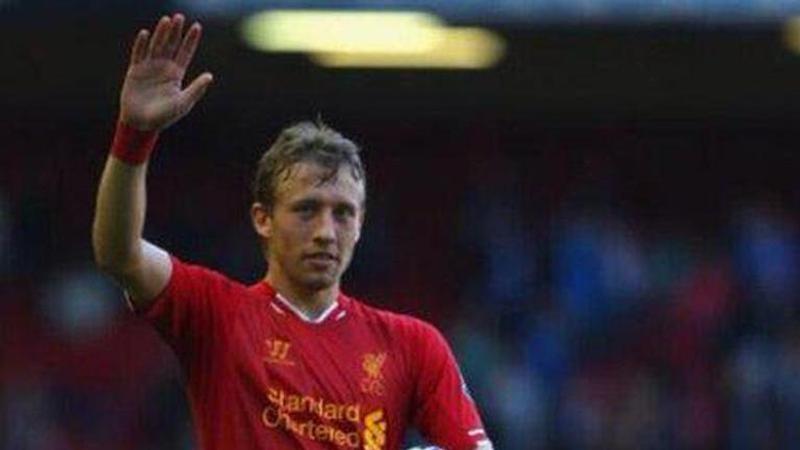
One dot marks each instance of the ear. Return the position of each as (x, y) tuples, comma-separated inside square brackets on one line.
[(262, 220)]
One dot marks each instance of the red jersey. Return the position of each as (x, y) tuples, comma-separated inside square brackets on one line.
[(260, 376)]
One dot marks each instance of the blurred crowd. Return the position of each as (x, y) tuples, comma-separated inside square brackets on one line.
[(608, 287)]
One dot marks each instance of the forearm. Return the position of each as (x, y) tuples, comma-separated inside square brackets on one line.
[(152, 98), (140, 267), (119, 216)]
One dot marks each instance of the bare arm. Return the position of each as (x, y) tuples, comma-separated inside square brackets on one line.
[(152, 98)]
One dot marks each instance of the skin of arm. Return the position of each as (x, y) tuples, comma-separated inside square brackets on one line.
[(152, 99)]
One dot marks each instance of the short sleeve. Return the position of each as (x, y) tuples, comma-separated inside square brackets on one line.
[(445, 413), (190, 313)]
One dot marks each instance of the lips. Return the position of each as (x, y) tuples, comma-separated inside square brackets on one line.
[(321, 256)]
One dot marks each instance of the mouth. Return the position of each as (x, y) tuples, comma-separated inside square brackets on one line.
[(321, 257)]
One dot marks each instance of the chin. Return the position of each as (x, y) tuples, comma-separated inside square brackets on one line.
[(318, 282)]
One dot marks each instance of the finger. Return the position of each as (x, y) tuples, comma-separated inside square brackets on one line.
[(156, 49), (189, 45), (174, 39), (196, 89), (139, 51)]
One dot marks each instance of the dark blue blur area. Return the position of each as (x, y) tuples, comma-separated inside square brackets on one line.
[(606, 227)]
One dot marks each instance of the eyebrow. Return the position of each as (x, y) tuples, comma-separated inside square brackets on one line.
[(316, 201)]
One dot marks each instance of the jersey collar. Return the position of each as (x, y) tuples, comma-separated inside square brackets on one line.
[(301, 315), (281, 305)]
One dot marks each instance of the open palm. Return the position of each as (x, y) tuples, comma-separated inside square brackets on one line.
[(153, 96)]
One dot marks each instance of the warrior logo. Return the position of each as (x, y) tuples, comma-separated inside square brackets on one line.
[(277, 352)]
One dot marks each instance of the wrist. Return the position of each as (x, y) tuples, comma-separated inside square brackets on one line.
[(132, 145)]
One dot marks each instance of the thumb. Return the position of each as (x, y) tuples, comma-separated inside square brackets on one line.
[(196, 89)]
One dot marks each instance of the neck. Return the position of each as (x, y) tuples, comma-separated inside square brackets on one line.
[(311, 302)]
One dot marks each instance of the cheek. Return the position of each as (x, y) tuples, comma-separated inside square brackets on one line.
[(348, 236), (290, 236), (297, 239)]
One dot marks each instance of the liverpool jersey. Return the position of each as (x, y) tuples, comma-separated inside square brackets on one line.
[(261, 376)]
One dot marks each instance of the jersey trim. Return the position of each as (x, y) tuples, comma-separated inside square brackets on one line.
[(484, 444), (302, 316), (276, 308)]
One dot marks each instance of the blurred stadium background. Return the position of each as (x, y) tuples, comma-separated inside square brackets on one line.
[(604, 222)]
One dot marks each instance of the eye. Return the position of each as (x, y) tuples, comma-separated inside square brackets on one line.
[(344, 212), (306, 210)]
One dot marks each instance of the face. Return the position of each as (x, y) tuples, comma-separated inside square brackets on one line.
[(313, 227)]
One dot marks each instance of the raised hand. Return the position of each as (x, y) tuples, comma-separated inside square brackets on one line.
[(152, 95)]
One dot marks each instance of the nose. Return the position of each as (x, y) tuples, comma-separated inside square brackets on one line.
[(325, 228)]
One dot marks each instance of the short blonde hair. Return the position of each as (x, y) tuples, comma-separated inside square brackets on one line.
[(305, 142)]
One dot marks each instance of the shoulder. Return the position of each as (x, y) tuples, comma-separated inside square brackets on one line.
[(196, 306), (202, 274), (194, 282), (412, 329)]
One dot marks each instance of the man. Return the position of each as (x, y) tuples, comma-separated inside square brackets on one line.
[(289, 362)]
